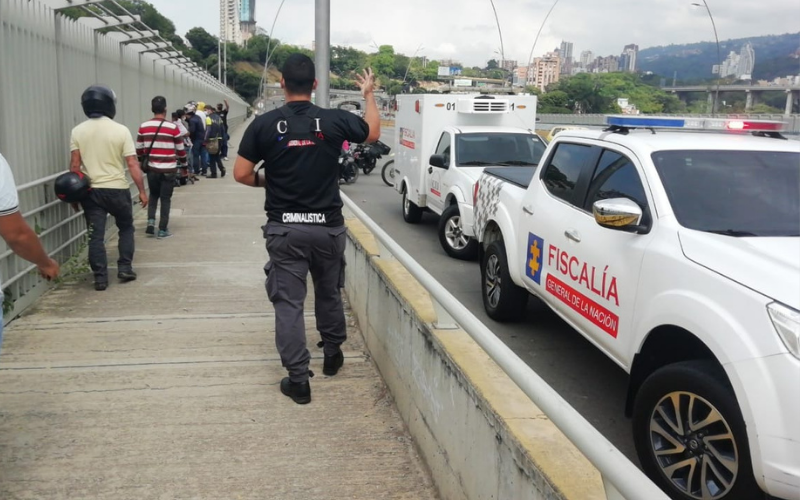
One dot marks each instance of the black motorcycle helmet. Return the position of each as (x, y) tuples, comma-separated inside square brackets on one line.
[(72, 187), (99, 100)]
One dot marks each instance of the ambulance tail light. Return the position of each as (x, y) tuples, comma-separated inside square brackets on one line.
[(416, 106), (475, 189), (713, 124)]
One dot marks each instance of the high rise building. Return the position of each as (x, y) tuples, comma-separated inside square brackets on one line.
[(565, 53), (247, 18), (739, 65), (546, 70), (586, 58), (747, 62), (627, 61), (509, 65), (229, 26)]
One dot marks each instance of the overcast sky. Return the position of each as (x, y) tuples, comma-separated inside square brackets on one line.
[(466, 30)]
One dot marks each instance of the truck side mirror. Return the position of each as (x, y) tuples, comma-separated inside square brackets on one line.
[(622, 214), (440, 161)]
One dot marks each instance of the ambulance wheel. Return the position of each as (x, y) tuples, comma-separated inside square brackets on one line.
[(503, 300), (411, 213), (690, 435), (452, 238)]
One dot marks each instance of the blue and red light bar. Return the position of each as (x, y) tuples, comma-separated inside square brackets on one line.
[(718, 124)]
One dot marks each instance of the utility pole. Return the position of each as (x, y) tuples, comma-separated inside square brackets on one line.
[(323, 51), (225, 69)]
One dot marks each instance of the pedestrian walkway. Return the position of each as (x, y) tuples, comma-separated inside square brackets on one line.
[(167, 387)]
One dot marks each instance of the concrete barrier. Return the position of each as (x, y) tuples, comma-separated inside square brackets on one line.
[(480, 435)]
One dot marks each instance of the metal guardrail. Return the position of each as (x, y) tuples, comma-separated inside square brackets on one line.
[(46, 61), (621, 478)]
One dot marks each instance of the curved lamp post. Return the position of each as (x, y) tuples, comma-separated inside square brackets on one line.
[(719, 57)]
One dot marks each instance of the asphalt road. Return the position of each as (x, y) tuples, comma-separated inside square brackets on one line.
[(589, 381)]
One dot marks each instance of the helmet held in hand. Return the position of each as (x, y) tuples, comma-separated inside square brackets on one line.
[(72, 187)]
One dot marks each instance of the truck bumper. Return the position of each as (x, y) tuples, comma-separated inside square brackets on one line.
[(466, 213), (770, 386)]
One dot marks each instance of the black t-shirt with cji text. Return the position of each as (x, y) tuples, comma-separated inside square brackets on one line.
[(302, 166)]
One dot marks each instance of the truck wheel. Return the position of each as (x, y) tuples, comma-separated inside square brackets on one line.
[(690, 435), (387, 174), (411, 213), (503, 300), (452, 238)]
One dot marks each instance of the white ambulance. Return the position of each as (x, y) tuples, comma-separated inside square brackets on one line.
[(443, 143)]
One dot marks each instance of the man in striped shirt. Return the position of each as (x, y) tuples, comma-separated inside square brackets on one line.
[(160, 145)]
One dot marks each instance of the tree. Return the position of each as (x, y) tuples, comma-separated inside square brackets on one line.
[(492, 64), (345, 60), (553, 102), (202, 41), (382, 62)]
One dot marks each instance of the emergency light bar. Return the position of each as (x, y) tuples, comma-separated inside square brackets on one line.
[(718, 124)]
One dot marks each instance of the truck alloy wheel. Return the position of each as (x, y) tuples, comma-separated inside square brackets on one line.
[(452, 238), (503, 300), (690, 435)]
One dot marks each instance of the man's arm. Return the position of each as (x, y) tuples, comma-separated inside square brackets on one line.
[(372, 116), (244, 172), (23, 241), (138, 177), (75, 161), (227, 108)]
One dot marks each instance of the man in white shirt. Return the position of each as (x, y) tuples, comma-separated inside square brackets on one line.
[(17, 234)]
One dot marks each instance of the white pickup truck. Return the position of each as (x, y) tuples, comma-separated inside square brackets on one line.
[(443, 143), (676, 253)]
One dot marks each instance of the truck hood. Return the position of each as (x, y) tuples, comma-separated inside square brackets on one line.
[(770, 266), (473, 173)]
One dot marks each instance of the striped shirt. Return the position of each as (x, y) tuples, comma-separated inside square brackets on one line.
[(168, 150)]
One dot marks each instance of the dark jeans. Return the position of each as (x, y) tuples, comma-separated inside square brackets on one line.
[(161, 188), (198, 165), (294, 251), (216, 161), (224, 145), (96, 208)]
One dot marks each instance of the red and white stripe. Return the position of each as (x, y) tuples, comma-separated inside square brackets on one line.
[(168, 148)]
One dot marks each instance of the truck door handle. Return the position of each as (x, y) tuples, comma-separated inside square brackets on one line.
[(430, 170), (527, 209), (573, 235)]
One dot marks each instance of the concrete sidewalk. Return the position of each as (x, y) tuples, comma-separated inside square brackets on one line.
[(167, 387)]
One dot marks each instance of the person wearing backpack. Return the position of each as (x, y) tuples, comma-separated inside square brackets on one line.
[(299, 144)]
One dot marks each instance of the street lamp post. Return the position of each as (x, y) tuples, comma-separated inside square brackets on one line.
[(499, 32), (409, 62), (719, 57)]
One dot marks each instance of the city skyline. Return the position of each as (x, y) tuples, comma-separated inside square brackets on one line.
[(469, 33)]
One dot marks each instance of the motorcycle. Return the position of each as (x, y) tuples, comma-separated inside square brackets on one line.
[(367, 155), (348, 168)]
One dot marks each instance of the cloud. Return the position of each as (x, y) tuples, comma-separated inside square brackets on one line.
[(466, 29)]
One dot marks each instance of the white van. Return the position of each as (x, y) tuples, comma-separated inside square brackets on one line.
[(443, 143)]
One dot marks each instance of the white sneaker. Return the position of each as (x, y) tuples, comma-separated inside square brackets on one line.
[(226, 158)]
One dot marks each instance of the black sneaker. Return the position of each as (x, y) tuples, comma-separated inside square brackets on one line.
[(126, 275), (331, 365), (100, 286), (299, 392), (222, 171)]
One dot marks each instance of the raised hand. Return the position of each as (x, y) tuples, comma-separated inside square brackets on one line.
[(366, 82)]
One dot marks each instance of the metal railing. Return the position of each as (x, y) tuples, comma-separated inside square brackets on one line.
[(46, 61), (621, 478)]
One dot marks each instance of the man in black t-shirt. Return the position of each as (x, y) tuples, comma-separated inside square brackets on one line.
[(300, 145)]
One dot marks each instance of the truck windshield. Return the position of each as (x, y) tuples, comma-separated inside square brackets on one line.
[(481, 149), (735, 193)]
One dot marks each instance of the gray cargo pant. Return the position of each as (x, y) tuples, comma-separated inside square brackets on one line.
[(294, 251)]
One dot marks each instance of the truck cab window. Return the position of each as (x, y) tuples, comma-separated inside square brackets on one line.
[(564, 170), (444, 146), (615, 177)]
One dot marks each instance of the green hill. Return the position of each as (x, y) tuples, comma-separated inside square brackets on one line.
[(776, 56)]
